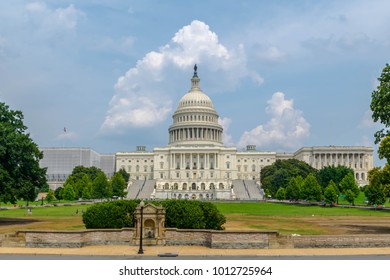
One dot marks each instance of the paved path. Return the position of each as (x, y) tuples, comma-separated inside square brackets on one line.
[(110, 250)]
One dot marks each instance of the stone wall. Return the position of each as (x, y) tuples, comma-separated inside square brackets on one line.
[(75, 239), (342, 241), (180, 237)]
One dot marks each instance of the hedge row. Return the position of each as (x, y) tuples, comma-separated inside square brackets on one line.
[(182, 214)]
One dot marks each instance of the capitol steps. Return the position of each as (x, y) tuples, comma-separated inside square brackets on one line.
[(134, 189), (240, 190), (247, 190), (146, 189), (253, 189)]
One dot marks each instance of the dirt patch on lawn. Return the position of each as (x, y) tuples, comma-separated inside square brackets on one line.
[(343, 225), (16, 221)]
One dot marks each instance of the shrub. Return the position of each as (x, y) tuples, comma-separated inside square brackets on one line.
[(113, 214), (182, 214)]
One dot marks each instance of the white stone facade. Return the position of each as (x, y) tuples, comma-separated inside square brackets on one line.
[(195, 164)]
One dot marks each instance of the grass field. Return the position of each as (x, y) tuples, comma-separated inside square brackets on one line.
[(291, 219)]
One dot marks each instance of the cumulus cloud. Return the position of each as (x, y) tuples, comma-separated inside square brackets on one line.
[(143, 95), (226, 137), (286, 128), (366, 121), (49, 19)]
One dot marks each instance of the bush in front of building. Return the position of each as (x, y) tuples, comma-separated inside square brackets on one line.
[(112, 214), (192, 214), (182, 214)]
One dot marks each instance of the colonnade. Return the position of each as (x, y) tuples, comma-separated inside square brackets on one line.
[(194, 160), (351, 160), (195, 133)]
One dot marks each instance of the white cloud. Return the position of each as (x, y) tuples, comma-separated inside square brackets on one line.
[(48, 19), (286, 128), (144, 94), (366, 121), (226, 137)]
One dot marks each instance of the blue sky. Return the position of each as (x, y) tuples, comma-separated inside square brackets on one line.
[(281, 74)]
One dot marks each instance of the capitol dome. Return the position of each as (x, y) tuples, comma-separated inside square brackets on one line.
[(195, 121), (195, 97)]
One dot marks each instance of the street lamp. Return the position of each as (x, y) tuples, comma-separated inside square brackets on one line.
[(141, 251)]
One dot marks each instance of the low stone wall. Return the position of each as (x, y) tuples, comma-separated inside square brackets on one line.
[(219, 239), (180, 237), (75, 239), (242, 239), (342, 241)]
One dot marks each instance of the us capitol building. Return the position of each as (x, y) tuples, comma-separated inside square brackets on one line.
[(196, 165)]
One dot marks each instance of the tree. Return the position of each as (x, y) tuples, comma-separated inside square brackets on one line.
[(124, 174), (311, 190), (384, 149), (281, 194), (50, 196), (58, 193), (86, 194), (278, 174), (379, 187), (20, 174), (380, 104), (68, 192), (118, 185), (332, 173), (349, 188), (100, 187), (293, 190), (79, 171), (330, 193)]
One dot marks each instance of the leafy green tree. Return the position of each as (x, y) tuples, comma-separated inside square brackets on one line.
[(20, 174), (378, 189), (293, 190), (68, 192), (58, 193), (125, 175), (281, 194), (83, 187), (311, 190), (86, 193), (100, 187), (79, 171), (349, 188), (50, 196), (332, 173), (118, 185), (380, 104), (278, 174), (330, 193), (374, 195), (384, 149)]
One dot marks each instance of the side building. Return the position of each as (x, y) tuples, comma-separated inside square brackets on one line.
[(61, 161)]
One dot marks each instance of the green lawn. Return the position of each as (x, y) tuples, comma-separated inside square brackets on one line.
[(39, 211)]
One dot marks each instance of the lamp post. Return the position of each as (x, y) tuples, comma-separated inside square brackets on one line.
[(140, 250)]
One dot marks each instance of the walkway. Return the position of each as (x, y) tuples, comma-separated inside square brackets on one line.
[(110, 250)]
